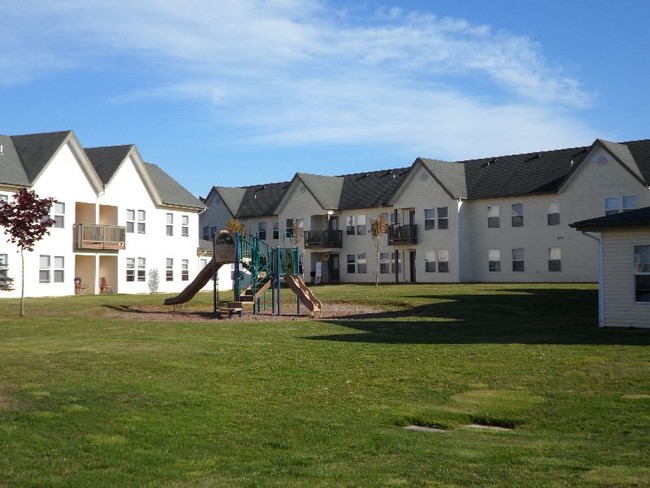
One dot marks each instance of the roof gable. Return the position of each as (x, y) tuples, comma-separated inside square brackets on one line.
[(106, 160), (36, 150), (169, 190), (12, 171)]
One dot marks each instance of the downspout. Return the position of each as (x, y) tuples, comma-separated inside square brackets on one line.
[(458, 255), (601, 279)]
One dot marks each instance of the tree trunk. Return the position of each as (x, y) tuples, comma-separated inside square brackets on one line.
[(22, 283)]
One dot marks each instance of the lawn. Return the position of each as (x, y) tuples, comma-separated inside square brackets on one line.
[(516, 382)]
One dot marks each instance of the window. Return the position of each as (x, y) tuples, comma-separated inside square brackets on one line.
[(362, 264), (130, 269), (361, 225), (430, 261), (518, 259), (493, 216), (553, 214), (288, 228), (443, 261), (555, 259), (276, 230), (629, 202), (261, 230), (612, 205), (130, 221), (59, 269), (169, 269), (517, 214), (205, 235), (352, 263), (169, 227), (185, 270), (384, 263), (4, 266), (399, 262), (59, 215), (141, 268), (142, 225), (395, 218), (357, 263), (350, 227), (185, 225), (443, 217), (642, 273), (438, 216), (3, 197), (44, 269), (494, 260)]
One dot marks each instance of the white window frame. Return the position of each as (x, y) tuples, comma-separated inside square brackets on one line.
[(130, 220), (185, 269), (630, 204), (554, 259), (169, 224), (276, 229), (142, 221), (429, 219), (612, 205), (130, 269), (430, 262), (44, 268), (361, 225), (494, 260), (518, 260), (58, 269), (58, 214), (553, 213), (169, 269), (350, 225), (185, 225), (142, 269), (517, 219), (443, 261), (641, 270), (261, 230), (384, 262), (493, 216)]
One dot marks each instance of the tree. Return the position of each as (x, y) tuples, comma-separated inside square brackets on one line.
[(234, 225), (154, 280), (26, 220), (378, 227)]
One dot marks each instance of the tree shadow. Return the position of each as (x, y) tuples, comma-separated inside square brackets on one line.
[(524, 316)]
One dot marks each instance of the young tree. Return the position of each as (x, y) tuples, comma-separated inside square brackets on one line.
[(234, 225), (378, 227), (26, 220)]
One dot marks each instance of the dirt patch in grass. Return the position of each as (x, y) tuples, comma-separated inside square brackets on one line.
[(187, 314)]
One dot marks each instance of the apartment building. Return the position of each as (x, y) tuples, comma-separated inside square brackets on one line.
[(117, 219), (496, 219)]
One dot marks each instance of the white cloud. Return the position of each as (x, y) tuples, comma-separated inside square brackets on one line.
[(290, 72)]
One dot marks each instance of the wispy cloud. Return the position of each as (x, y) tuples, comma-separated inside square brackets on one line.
[(298, 71)]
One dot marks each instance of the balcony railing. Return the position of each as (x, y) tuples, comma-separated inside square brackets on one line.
[(91, 236), (324, 239), (402, 234)]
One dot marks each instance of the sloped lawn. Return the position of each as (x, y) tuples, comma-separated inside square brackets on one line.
[(516, 382)]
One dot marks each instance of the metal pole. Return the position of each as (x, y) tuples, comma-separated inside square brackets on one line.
[(236, 281), (214, 275)]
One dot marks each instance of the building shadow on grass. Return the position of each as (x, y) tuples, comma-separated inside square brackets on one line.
[(524, 316)]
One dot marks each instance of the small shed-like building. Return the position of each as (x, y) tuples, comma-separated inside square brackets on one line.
[(624, 278)]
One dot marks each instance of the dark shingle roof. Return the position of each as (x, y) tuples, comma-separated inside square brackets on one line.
[(106, 160), (451, 176), (11, 168), (261, 200), (170, 191), (521, 174), (631, 218), (36, 150), (640, 150), (326, 190), (373, 189)]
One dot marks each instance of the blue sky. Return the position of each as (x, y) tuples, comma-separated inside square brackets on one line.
[(241, 92)]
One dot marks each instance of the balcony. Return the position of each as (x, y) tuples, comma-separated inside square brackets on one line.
[(402, 234), (102, 237), (323, 239)]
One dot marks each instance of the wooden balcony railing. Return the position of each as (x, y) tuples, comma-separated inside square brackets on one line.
[(323, 239), (92, 236), (402, 234)]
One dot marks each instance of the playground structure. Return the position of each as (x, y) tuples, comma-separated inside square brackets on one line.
[(258, 270)]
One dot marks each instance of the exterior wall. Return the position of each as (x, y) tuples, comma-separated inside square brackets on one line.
[(216, 214), (64, 180), (621, 309), (423, 192), (582, 198), (126, 191), (61, 175)]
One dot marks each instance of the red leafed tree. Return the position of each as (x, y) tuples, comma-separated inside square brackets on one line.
[(26, 219)]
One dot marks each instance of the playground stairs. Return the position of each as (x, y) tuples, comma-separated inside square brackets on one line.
[(252, 293)]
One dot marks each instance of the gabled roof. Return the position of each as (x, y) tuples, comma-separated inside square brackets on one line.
[(373, 189), (170, 191), (12, 171), (326, 190), (450, 176), (106, 160), (631, 218), (36, 150), (521, 174)]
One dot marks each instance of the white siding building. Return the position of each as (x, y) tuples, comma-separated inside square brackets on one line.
[(118, 218), (497, 219)]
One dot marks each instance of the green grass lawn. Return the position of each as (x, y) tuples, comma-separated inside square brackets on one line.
[(89, 397)]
